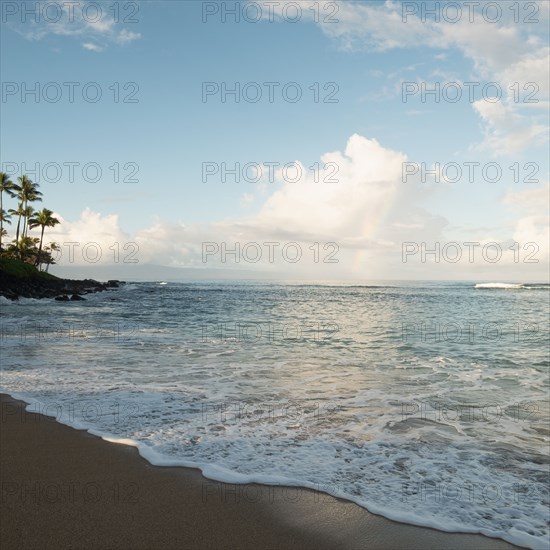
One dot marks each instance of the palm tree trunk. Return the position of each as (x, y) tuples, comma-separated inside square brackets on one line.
[(17, 231), (40, 248), (25, 220)]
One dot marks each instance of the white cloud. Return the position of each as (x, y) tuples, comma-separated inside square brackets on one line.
[(377, 27), (72, 22), (93, 236), (125, 36), (367, 179), (532, 223), (491, 48), (351, 212), (534, 68), (505, 52), (369, 213), (506, 131), (92, 47), (103, 26)]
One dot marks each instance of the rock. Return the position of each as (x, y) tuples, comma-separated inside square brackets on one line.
[(13, 287)]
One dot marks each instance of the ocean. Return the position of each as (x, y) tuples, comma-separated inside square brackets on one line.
[(425, 402)]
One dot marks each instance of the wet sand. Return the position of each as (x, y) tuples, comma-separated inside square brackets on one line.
[(64, 488)]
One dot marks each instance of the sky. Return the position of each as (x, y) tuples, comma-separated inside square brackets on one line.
[(288, 140)]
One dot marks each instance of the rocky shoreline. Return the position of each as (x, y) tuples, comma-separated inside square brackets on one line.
[(13, 287)]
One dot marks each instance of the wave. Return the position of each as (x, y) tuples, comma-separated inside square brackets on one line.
[(500, 285)]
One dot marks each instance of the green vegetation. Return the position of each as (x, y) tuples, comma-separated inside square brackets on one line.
[(24, 250), (22, 270)]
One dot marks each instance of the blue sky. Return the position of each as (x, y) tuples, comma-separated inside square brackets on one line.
[(169, 132)]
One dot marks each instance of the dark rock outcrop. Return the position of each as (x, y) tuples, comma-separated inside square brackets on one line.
[(13, 287)]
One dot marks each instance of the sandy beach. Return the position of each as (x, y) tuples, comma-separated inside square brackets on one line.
[(64, 488)]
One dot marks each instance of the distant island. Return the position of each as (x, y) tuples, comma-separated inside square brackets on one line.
[(23, 259)]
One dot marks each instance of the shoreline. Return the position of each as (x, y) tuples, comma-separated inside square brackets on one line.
[(65, 488)]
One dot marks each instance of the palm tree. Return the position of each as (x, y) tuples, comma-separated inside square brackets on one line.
[(52, 247), (27, 249), (29, 193), (43, 218), (6, 186), (4, 218), (26, 191)]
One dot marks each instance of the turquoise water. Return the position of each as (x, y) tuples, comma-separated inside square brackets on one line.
[(424, 402)]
